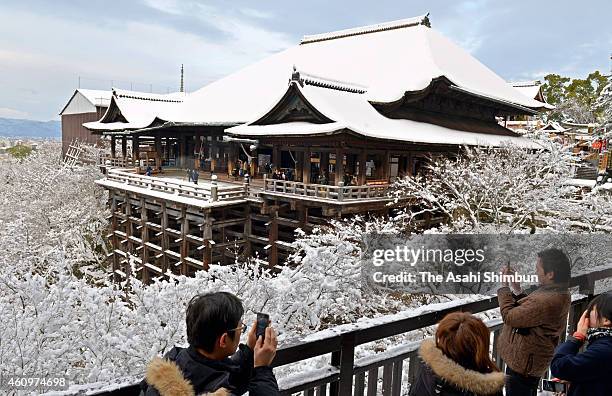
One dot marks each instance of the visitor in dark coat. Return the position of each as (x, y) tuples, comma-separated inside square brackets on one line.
[(215, 363), (589, 372)]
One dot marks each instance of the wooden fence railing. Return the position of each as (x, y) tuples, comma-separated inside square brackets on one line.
[(117, 162), (211, 191), (326, 192), (383, 372)]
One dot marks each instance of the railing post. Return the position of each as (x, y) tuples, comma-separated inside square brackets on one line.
[(214, 188), (345, 360), (341, 191), (265, 181)]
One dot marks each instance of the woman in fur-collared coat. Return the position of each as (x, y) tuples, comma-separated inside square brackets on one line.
[(457, 361)]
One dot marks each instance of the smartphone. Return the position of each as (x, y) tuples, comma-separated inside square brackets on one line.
[(263, 320), (554, 386)]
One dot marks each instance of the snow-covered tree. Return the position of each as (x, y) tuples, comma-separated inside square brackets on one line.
[(604, 107), (502, 190)]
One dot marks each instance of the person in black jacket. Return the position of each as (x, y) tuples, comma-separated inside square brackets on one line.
[(457, 361), (215, 363), (590, 372)]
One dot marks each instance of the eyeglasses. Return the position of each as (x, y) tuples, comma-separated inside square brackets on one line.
[(243, 327)]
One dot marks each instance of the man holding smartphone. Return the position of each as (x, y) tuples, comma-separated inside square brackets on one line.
[(215, 363), (533, 323)]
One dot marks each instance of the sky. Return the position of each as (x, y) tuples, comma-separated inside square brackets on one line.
[(47, 47)]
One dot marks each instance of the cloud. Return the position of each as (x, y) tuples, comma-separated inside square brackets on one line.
[(46, 60), (6, 112)]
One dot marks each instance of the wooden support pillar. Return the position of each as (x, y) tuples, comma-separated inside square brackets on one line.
[(184, 242), (339, 165), (214, 151), (276, 156), (165, 242), (409, 165), (128, 223), (247, 230), (385, 165), (158, 150), (168, 146), (363, 157), (182, 154), (113, 148), (124, 146), (273, 237), (135, 148), (299, 166), (232, 157), (207, 236), (144, 236), (324, 163), (302, 215), (306, 166), (253, 164), (114, 238)]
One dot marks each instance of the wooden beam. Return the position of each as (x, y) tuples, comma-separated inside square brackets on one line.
[(306, 166), (363, 157), (339, 165), (273, 237)]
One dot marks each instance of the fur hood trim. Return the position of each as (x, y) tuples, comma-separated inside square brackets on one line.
[(168, 379), (458, 376)]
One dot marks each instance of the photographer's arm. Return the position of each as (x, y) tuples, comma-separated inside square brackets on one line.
[(527, 314)]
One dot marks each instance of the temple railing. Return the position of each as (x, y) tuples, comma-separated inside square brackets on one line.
[(117, 162), (338, 193), (383, 373), (209, 191)]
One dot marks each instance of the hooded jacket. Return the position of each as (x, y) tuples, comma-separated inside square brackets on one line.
[(440, 375), (185, 372)]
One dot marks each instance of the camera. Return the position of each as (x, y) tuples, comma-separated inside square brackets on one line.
[(554, 386)]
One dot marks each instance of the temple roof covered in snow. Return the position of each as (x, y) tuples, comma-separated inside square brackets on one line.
[(532, 89), (86, 100), (311, 110), (384, 64)]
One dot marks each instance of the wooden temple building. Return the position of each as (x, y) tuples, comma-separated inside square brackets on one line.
[(319, 130)]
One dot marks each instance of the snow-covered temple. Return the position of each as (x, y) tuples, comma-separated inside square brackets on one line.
[(400, 86), (339, 115)]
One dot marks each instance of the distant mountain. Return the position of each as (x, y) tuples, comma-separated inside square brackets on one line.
[(30, 128)]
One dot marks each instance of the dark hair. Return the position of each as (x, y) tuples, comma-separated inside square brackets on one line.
[(554, 260), (603, 305), (209, 316), (465, 339)]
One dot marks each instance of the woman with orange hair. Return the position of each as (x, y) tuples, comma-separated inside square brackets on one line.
[(457, 361)]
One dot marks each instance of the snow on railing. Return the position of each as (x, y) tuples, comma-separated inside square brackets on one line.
[(327, 192), (347, 375), (210, 192)]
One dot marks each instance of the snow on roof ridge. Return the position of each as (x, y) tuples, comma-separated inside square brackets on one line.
[(519, 84), (171, 97), (379, 27), (322, 82)]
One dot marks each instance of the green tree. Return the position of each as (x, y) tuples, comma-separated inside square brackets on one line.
[(554, 88), (19, 151)]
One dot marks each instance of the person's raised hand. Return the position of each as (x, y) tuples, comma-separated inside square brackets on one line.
[(265, 348), (583, 323)]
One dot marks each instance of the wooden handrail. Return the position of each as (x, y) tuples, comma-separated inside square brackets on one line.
[(347, 376), (213, 192), (324, 191)]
